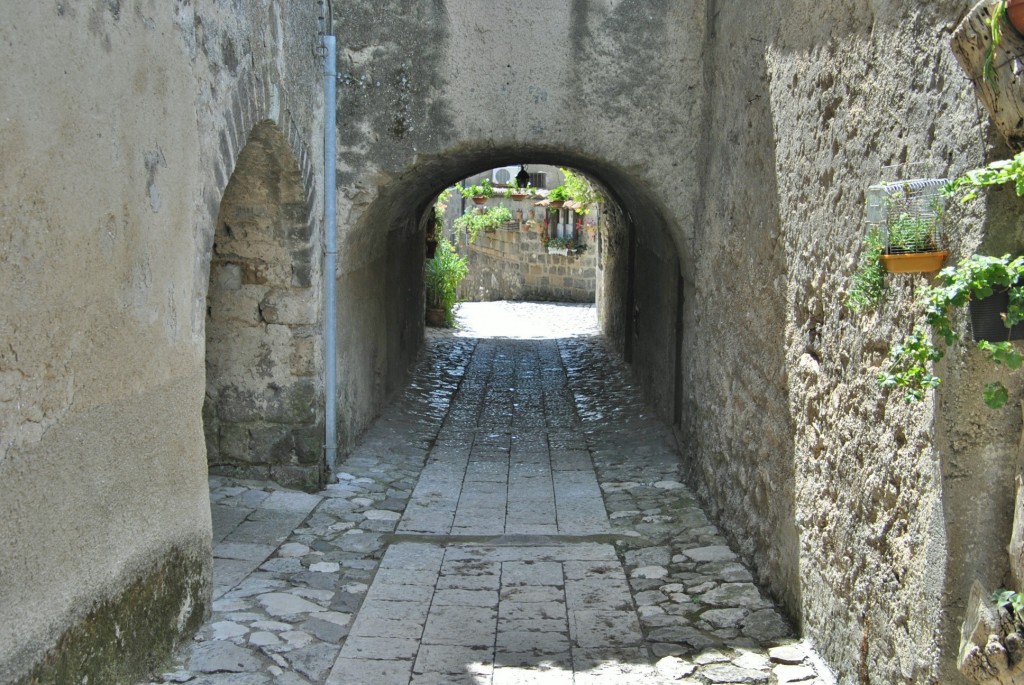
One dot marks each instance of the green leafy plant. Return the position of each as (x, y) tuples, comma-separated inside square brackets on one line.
[(571, 244), (997, 173), (580, 190), (868, 289), (909, 233), (471, 223), (443, 275), (975, 277), (1010, 600), (908, 227), (558, 194), (483, 189)]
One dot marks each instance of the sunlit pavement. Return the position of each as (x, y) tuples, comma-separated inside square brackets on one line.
[(517, 516)]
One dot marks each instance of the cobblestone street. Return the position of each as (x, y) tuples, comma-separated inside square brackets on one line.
[(516, 516)]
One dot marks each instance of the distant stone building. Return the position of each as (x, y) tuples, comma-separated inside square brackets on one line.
[(514, 262)]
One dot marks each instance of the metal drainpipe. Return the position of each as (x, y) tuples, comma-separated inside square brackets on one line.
[(330, 255)]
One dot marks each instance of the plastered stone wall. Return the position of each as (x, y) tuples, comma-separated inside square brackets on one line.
[(122, 125), (513, 264)]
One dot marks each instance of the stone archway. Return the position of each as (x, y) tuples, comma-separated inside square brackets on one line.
[(263, 410)]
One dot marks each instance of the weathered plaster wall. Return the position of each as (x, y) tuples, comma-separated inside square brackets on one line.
[(122, 122)]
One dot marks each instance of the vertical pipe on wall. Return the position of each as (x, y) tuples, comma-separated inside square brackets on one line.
[(330, 254)]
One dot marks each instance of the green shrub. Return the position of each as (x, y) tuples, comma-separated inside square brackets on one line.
[(471, 223), (444, 273)]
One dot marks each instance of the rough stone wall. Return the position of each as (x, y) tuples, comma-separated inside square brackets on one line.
[(868, 516), (122, 123), (263, 327), (736, 422), (512, 264)]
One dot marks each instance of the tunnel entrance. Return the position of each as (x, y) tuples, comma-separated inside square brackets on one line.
[(614, 251), (538, 242)]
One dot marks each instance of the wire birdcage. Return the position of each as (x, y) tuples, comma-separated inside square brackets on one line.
[(909, 214)]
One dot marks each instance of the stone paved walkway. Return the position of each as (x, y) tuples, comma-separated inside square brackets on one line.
[(517, 516)]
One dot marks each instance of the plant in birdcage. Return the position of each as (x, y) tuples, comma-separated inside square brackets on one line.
[(911, 222)]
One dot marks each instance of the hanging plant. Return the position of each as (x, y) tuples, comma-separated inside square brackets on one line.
[(975, 278), (557, 196), (478, 193), (471, 223), (868, 289)]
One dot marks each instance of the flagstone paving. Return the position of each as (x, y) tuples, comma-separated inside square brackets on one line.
[(517, 516)]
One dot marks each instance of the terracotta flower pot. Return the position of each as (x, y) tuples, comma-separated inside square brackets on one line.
[(914, 262), (557, 204), (480, 199), (519, 196), (1015, 13), (436, 317)]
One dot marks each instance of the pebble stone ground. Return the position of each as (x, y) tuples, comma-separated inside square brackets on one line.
[(516, 517)]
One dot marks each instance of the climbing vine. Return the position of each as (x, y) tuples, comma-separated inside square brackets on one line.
[(973, 278)]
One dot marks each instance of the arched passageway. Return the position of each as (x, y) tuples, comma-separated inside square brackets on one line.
[(639, 287), (263, 410)]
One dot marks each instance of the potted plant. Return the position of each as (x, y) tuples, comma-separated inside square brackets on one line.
[(443, 274), (472, 222), (976, 278), (514, 192), (908, 214), (564, 246), (479, 193), (557, 196), (912, 244)]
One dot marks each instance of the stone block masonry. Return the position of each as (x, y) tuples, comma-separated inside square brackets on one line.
[(512, 263), (260, 416)]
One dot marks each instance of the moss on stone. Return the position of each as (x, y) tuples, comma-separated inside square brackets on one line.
[(123, 639)]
